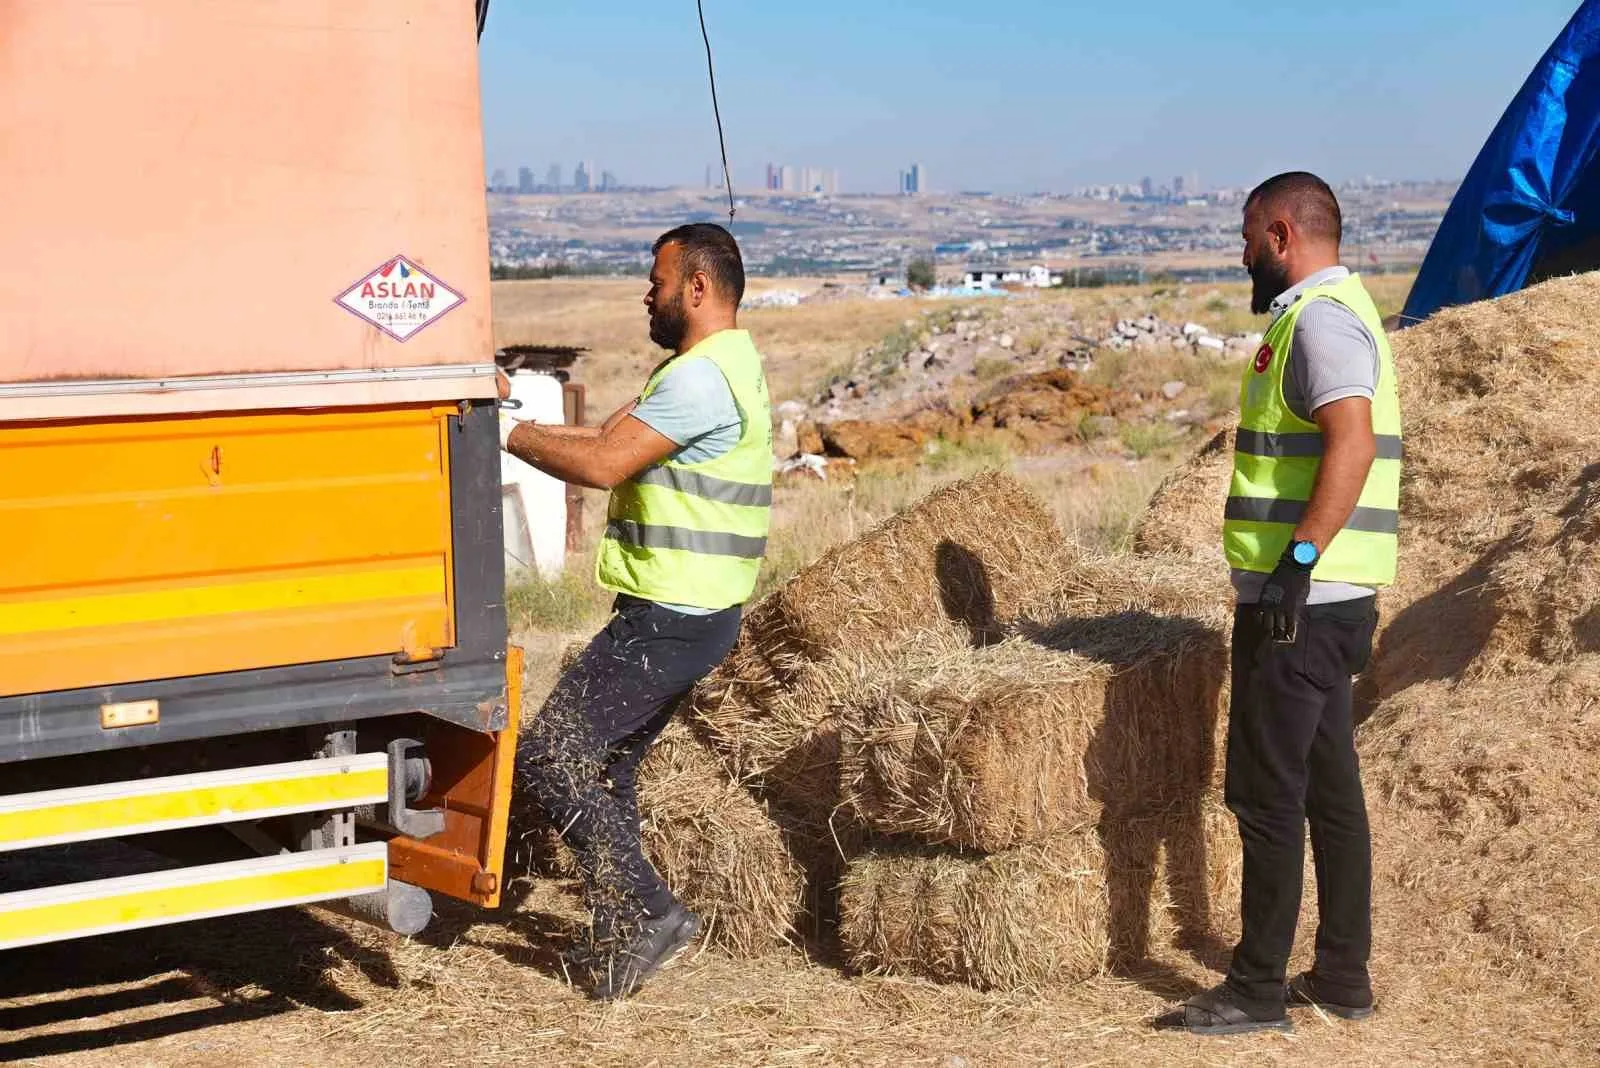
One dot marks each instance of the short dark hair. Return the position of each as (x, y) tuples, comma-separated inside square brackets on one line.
[(1307, 199), (710, 248)]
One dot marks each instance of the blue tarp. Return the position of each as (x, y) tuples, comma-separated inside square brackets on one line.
[(1530, 205)]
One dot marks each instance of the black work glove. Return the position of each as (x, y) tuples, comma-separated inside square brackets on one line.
[(1284, 597)]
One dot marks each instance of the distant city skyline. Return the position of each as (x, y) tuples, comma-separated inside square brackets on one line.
[(1051, 98)]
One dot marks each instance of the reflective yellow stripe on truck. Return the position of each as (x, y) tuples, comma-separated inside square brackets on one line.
[(55, 817), (77, 910)]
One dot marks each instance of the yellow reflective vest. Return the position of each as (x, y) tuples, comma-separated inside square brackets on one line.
[(694, 534), (1278, 453)]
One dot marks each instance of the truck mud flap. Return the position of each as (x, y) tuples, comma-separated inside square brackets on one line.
[(472, 783)]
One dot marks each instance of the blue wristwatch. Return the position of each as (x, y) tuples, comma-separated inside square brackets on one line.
[(1304, 553)]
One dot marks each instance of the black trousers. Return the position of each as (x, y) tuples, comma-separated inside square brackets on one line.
[(579, 758), (1292, 761)]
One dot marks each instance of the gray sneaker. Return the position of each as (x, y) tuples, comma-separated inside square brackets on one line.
[(656, 941)]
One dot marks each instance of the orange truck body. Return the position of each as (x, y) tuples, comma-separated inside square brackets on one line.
[(249, 483)]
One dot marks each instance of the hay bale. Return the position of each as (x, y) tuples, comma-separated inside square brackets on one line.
[(1503, 415), (1487, 794), (1028, 917), (717, 848), (993, 748), (972, 553), (1184, 516), (1056, 911), (943, 561), (1163, 584)]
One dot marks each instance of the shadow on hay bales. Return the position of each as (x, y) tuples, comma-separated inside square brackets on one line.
[(965, 592), (1152, 764)]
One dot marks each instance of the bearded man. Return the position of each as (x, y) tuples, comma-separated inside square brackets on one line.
[(689, 467)]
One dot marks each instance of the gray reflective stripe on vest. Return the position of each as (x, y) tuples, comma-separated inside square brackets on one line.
[(1270, 510), (696, 484), (707, 542), (1278, 446)]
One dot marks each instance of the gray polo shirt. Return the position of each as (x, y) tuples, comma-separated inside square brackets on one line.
[(1333, 356)]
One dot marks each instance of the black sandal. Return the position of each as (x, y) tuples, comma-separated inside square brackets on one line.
[(1219, 1011), (1302, 991)]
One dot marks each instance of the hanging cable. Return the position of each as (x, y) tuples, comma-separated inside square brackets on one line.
[(722, 140)]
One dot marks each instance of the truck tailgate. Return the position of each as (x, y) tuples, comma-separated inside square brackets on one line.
[(157, 548)]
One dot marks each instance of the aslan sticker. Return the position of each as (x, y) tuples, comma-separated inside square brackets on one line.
[(400, 298)]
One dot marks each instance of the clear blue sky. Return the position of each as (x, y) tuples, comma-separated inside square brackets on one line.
[(1022, 95)]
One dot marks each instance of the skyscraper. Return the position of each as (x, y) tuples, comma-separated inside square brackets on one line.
[(1177, 186), (552, 178), (1147, 187), (524, 179), (583, 176), (608, 182), (497, 181), (914, 181), (789, 179)]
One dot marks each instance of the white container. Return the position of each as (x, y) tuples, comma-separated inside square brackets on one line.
[(534, 505)]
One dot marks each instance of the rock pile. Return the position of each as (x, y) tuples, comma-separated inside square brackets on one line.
[(1013, 369)]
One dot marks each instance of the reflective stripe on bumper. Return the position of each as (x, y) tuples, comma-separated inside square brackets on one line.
[(78, 910), (115, 810)]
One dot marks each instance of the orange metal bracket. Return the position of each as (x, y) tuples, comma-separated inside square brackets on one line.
[(472, 775)]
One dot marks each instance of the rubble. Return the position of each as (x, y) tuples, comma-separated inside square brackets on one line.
[(1011, 370)]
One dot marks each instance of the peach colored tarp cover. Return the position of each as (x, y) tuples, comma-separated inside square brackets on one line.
[(189, 186)]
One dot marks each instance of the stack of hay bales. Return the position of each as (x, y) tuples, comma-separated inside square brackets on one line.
[(991, 752), (960, 564), (1481, 753), (1044, 807), (738, 797)]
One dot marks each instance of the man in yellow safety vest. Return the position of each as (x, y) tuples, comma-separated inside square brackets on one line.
[(689, 467), (1310, 531)]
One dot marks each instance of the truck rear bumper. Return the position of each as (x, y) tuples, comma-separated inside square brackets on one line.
[(243, 702)]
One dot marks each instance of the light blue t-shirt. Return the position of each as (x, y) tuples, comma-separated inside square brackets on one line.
[(694, 407)]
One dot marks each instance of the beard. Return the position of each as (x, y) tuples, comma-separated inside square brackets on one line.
[(668, 323), (1269, 277)]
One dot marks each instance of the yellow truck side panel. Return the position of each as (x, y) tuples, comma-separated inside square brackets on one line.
[(163, 547)]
